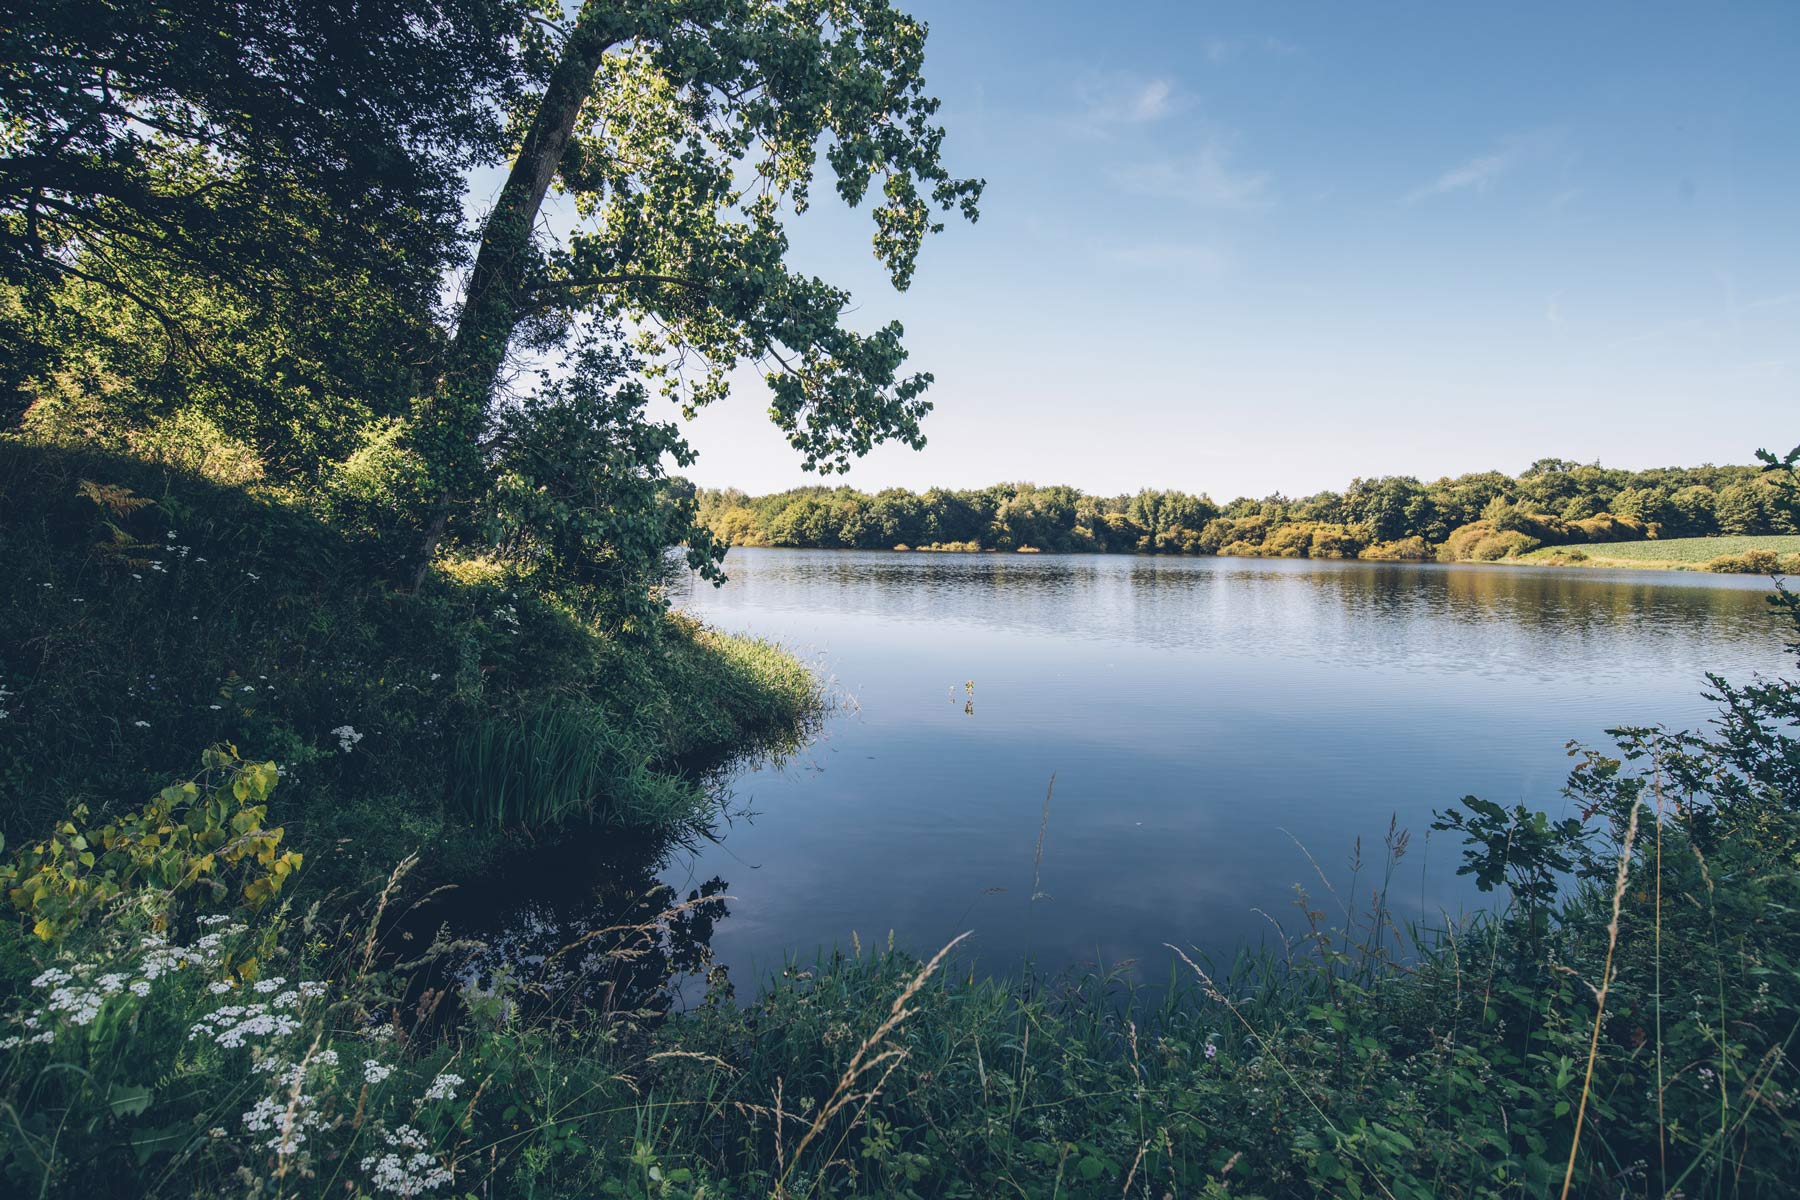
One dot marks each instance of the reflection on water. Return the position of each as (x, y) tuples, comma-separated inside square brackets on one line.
[(1204, 718), (583, 930)]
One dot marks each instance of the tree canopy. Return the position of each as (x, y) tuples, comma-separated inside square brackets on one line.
[(247, 222), (1482, 515)]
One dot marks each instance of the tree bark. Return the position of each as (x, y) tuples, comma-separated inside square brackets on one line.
[(451, 423)]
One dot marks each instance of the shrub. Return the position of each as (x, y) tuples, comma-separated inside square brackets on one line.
[(215, 616), (1750, 562), (1289, 541), (1508, 543), (1608, 528), (1481, 541), (206, 833), (1337, 541), (1414, 548)]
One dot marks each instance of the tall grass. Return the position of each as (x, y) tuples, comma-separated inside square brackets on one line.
[(561, 761)]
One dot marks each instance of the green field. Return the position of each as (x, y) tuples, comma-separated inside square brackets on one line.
[(1675, 553)]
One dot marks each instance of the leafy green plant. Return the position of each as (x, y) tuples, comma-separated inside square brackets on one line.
[(207, 833)]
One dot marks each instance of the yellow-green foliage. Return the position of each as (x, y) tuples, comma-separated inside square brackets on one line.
[(206, 832), (1289, 541), (1299, 539), (1337, 541), (1237, 535), (1755, 562), (1480, 541), (1412, 549), (1607, 528), (736, 526)]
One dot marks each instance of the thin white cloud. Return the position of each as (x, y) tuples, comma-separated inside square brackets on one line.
[(1111, 103), (1480, 173), (1206, 178), (1476, 174), (1152, 101)]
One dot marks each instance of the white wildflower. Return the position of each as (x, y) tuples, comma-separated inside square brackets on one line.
[(80, 1005), (374, 1072), (408, 1169), (347, 737), (236, 1024), (444, 1087)]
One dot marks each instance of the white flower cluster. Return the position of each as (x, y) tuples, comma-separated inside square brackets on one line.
[(235, 1024), (75, 998), (444, 1087), (38, 1038), (374, 1072), (291, 1075), (288, 1117), (408, 1169), (347, 737)]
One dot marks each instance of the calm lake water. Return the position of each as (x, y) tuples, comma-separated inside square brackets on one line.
[(1203, 718)]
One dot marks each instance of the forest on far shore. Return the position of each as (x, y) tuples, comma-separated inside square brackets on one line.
[(1485, 516)]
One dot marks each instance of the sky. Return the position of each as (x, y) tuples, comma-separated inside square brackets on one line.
[(1245, 248)]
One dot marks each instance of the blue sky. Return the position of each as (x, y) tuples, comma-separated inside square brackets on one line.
[(1240, 248)]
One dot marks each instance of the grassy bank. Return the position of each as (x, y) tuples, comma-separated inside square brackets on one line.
[(1730, 554), (146, 613)]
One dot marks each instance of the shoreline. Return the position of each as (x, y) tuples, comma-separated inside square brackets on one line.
[(1559, 559)]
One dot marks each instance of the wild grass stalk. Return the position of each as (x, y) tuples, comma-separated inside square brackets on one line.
[(1600, 994)]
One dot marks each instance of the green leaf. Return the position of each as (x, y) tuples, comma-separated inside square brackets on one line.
[(128, 1099)]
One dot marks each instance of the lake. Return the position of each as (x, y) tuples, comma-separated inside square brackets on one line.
[(1205, 719)]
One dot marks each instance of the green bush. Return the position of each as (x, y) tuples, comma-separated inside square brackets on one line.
[(1415, 549), (1482, 541), (147, 611)]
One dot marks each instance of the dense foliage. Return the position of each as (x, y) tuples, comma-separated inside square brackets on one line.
[(232, 224), (266, 505), (1621, 1027), (1481, 516), (147, 612)]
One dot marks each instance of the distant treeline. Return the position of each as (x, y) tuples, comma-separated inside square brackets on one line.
[(1485, 516)]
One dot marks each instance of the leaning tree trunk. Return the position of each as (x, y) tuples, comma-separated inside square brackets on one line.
[(450, 423)]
